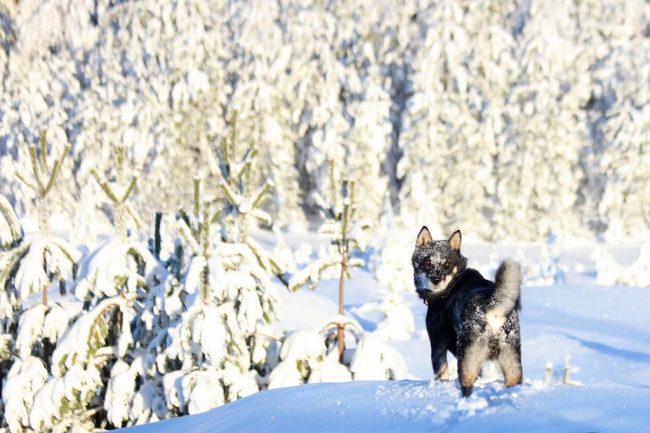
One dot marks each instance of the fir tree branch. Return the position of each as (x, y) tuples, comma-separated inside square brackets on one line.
[(262, 216), (197, 190), (261, 195), (36, 170), (224, 165), (230, 194), (186, 220), (233, 134), (23, 180), (70, 254), (105, 187), (314, 269), (204, 227), (332, 188), (56, 169), (134, 215), (18, 254), (185, 231), (215, 217), (129, 189), (244, 170), (15, 229), (43, 144)]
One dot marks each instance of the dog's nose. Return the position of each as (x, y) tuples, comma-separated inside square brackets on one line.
[(436, 280)]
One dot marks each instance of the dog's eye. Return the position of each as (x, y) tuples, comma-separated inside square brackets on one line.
[(446, 264)]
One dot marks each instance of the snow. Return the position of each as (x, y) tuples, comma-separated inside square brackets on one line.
[(46, 256), (373, 360), (422, 406), (316, 138), (611, 272), (600, 333), (81, 340), (22, 383), (112, 261)]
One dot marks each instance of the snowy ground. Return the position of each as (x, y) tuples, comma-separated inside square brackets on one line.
[(605, 331)]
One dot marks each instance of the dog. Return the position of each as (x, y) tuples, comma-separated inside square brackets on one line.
[(473, 318)]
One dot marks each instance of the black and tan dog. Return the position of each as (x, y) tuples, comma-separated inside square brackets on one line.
[(473, 318)]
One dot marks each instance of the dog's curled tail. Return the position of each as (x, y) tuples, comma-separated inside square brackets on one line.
[(507, 287)]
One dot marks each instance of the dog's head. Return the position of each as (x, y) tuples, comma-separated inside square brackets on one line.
[(436, 263)]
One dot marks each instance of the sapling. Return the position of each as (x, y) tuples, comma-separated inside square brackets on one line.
[(346, 231), (121, 265), (44, 177), (243, 201), (119, 198), (343, 244), (31, 331), (215, 349), (33, 265), (196, 229)]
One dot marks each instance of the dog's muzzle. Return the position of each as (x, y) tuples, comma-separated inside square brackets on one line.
[(422, 284)]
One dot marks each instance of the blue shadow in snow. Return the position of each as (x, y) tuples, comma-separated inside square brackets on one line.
[(629, 355)]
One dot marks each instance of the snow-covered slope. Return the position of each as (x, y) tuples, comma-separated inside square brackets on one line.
[(422, 406), (601, 334)]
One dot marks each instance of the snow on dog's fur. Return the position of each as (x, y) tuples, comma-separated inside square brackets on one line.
[(473, 318)]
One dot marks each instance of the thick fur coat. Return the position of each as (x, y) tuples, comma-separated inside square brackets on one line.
[(473, 318)]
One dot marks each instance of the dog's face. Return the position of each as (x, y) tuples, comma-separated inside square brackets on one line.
[(436, 263)]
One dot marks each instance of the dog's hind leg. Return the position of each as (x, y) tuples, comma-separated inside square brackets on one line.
[(470, 361), (510, 362)]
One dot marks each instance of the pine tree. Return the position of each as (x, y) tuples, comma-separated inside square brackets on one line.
[(315, 356), (216, 346), (243, 201), (346, 232), (40, 263), (122, 265), (113, 289)]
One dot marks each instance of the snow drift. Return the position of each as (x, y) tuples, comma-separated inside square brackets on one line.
[(421, 406)]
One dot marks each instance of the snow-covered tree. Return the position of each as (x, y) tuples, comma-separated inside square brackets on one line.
[(118, 190), (31, 327), (305, 358), (216, 341), (243, 197), (339, 349), (41, 262), (409, 99), (312, 357), (78, 339), (442, 135)]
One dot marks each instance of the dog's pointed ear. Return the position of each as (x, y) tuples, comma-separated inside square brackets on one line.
[(454, 241), (423, 237)]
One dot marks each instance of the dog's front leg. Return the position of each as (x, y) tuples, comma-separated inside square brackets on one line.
[(439, 343), (439, 361), (439, 348)]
